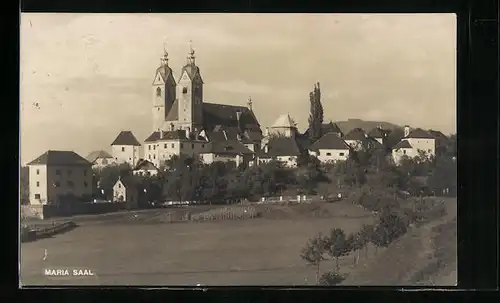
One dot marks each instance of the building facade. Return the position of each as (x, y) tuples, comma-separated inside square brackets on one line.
[(56, 175), (126, 149)]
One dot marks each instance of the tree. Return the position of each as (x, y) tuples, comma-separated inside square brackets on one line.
[(316, 113), (313, 253), (389, 228), (355, 243), (337, 245), (365, 235), (330, 278)]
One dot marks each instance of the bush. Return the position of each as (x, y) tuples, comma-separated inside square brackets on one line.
[(389, 228), (377, 200), (330, 278)]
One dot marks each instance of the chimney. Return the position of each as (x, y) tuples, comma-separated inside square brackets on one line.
[(161, 134), (238, 119), (187, 132), (266, 148), (407, 130)]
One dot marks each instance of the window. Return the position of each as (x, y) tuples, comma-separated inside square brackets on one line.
[(341, 154), (154, 147), (203, 145), (192, 146), (104, 161), (428, 150), (130, 159), (71, 184), (57, 184), (85, 172), (37, 171), (58, 172), (158, 92), (123, 149), (85, 184), (37, 196), (328, 154), (70, 172), (173, 145), (149, 157), (165, 145), (37, 184), (404, 151), (184, 90), (182, 145), (154, 156), (119, 185), (149, 146)]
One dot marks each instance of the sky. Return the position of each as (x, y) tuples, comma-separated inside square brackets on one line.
[(86, 77)]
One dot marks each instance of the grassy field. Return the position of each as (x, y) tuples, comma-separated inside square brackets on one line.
[(138, 249)]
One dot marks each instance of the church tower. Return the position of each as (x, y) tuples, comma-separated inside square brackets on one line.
[(164, 92), (190, 95)]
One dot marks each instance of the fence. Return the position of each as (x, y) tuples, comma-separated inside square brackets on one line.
[(291, 199)]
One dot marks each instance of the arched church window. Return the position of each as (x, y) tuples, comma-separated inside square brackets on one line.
[(184, 90), (158, 92)]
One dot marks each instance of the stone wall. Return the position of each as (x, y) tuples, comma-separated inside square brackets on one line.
[(32, 212)]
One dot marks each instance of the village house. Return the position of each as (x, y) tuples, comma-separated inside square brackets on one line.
[(327, 128), (330, 148), (227, 151), (128, 190), (379, 134), (285, 150), (57, 175), (355, 138), (100, 159), (145, 168), (414, 143), (125, 148)]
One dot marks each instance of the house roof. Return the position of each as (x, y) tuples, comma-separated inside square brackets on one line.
[(284, 121), (229, 147), (438, 135), (126, 137), (98, 154), (402, 144), (60, 158), (167, 135), (283, 146), (329, 141), (145, 165), (377, 132), (419, 134), (130, 182), (226, 115), (355, 134), (327, 128)]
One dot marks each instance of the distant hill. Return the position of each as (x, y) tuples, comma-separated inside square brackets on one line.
[(350, 124)]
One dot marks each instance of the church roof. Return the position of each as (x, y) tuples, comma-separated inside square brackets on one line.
[(356, 134), (165, 71), (167, 135), (402, 144), (126, 137), (98, 154), (226, 115), (191, 70), (284, 121), (60, 157), (173, 113), (329, 141)]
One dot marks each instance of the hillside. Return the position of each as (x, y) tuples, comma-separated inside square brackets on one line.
[(350, 124)]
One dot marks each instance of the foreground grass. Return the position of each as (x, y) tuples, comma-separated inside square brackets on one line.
[(250, 252)]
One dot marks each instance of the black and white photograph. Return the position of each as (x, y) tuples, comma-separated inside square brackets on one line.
[(238, 149)]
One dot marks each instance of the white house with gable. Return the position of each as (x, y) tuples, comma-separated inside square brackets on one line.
[(330, 148), (125, 148), (413, 143)]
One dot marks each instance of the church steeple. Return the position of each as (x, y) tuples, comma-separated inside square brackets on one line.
[(249, 103), (191, 58), (164, 59)]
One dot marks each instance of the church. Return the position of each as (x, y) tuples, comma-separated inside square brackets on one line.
[(182, 123)]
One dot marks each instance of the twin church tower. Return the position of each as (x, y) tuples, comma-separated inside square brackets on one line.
[(178, 103)]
